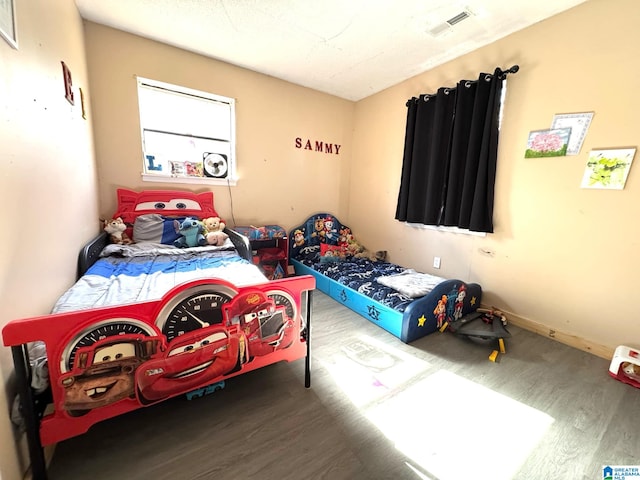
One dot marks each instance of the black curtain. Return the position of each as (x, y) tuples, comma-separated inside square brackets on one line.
[(450, 155)]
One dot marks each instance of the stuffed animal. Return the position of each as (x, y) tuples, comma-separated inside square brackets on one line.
[(216, 238), (116, 230), (214, 231), (298, 238), (191, 233), (357, 250), (631, 370)]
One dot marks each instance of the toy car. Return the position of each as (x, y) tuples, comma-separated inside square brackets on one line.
[(266, 326), (193, 359), (208, 390), (104, 372)]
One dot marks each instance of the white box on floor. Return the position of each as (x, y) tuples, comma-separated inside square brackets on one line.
[(625, 365)]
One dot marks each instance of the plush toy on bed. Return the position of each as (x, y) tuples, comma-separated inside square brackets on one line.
[(116, 230), (191, 233), (214, 231), (357, 250)]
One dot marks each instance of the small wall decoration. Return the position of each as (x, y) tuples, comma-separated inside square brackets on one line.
[(608, 169), (66, 75), (8, 22), (318, 145), (84, 109), (548, 143), (579, 124)]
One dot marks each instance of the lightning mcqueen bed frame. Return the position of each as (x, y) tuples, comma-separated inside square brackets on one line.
[(363, 285), (108, 360)]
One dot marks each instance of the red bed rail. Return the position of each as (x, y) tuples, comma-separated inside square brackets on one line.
[(107, 361)]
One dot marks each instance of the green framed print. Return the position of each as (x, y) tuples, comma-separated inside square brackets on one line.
[(608, 169)]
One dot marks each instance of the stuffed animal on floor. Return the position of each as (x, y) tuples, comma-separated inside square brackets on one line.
[(116, 230), (214, 231), (191, 233)]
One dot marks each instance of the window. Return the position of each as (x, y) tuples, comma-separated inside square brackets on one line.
[(188, 136), (450, 155)]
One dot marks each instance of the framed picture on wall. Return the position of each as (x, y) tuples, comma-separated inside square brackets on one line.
[(578, 123), (608, 168), (8, 22), (548, 143)]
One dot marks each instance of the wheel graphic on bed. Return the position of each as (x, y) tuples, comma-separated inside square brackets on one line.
[(192, 309), (281, 297)]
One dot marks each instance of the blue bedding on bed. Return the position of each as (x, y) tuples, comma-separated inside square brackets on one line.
[(180, 262), (360, 275), (146, 271)]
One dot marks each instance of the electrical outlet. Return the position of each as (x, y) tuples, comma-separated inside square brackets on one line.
[(436, 262)]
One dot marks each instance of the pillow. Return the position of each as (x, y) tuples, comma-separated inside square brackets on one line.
[(331, 253), (307, 254), (155, 228)]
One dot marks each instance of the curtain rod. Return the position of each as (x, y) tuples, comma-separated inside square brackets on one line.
[(513, 69), (502, 75)]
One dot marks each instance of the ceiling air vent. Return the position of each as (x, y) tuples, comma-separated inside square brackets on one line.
[(458, 18), (445, 27)]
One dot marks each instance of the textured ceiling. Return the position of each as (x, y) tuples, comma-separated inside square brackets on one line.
[(348, 48)]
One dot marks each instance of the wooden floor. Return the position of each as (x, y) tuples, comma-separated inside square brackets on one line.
[(381, 409)]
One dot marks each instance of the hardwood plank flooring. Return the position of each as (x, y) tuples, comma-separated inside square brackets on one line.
[(381, 409)]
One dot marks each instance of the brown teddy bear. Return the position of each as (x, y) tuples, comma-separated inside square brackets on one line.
[(358, 250), (116, 230)]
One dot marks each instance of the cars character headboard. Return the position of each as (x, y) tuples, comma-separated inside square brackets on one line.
[(132, 204)]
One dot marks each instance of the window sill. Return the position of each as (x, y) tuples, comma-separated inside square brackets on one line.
[(189, 180), (447, 229)]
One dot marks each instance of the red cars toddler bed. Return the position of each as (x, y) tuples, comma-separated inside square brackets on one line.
[(404, 302), (149, 321)]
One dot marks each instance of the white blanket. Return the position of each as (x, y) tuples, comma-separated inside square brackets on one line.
[(411, 283)]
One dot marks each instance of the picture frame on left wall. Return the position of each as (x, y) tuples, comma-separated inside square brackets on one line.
[(8, 28)]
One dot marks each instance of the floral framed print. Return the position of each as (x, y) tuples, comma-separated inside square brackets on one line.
[(8, 29), (548, 143)]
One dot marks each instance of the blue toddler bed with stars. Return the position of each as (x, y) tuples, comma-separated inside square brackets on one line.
[(406, 303)]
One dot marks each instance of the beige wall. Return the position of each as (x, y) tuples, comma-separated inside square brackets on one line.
[(279, 183), (562, 258), (48, 195)]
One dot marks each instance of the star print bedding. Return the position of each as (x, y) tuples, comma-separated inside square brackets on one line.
[(363, 276), (406, 303)]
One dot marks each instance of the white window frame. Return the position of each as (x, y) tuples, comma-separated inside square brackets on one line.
[(175, 146)]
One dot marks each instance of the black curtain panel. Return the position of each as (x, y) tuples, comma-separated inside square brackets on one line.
[(450, 155)]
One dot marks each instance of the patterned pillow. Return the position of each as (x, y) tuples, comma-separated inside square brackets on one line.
[(155, 228), (331, 253)]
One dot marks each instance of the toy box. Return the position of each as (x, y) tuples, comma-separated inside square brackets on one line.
[(625, 365), (266, 232)]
